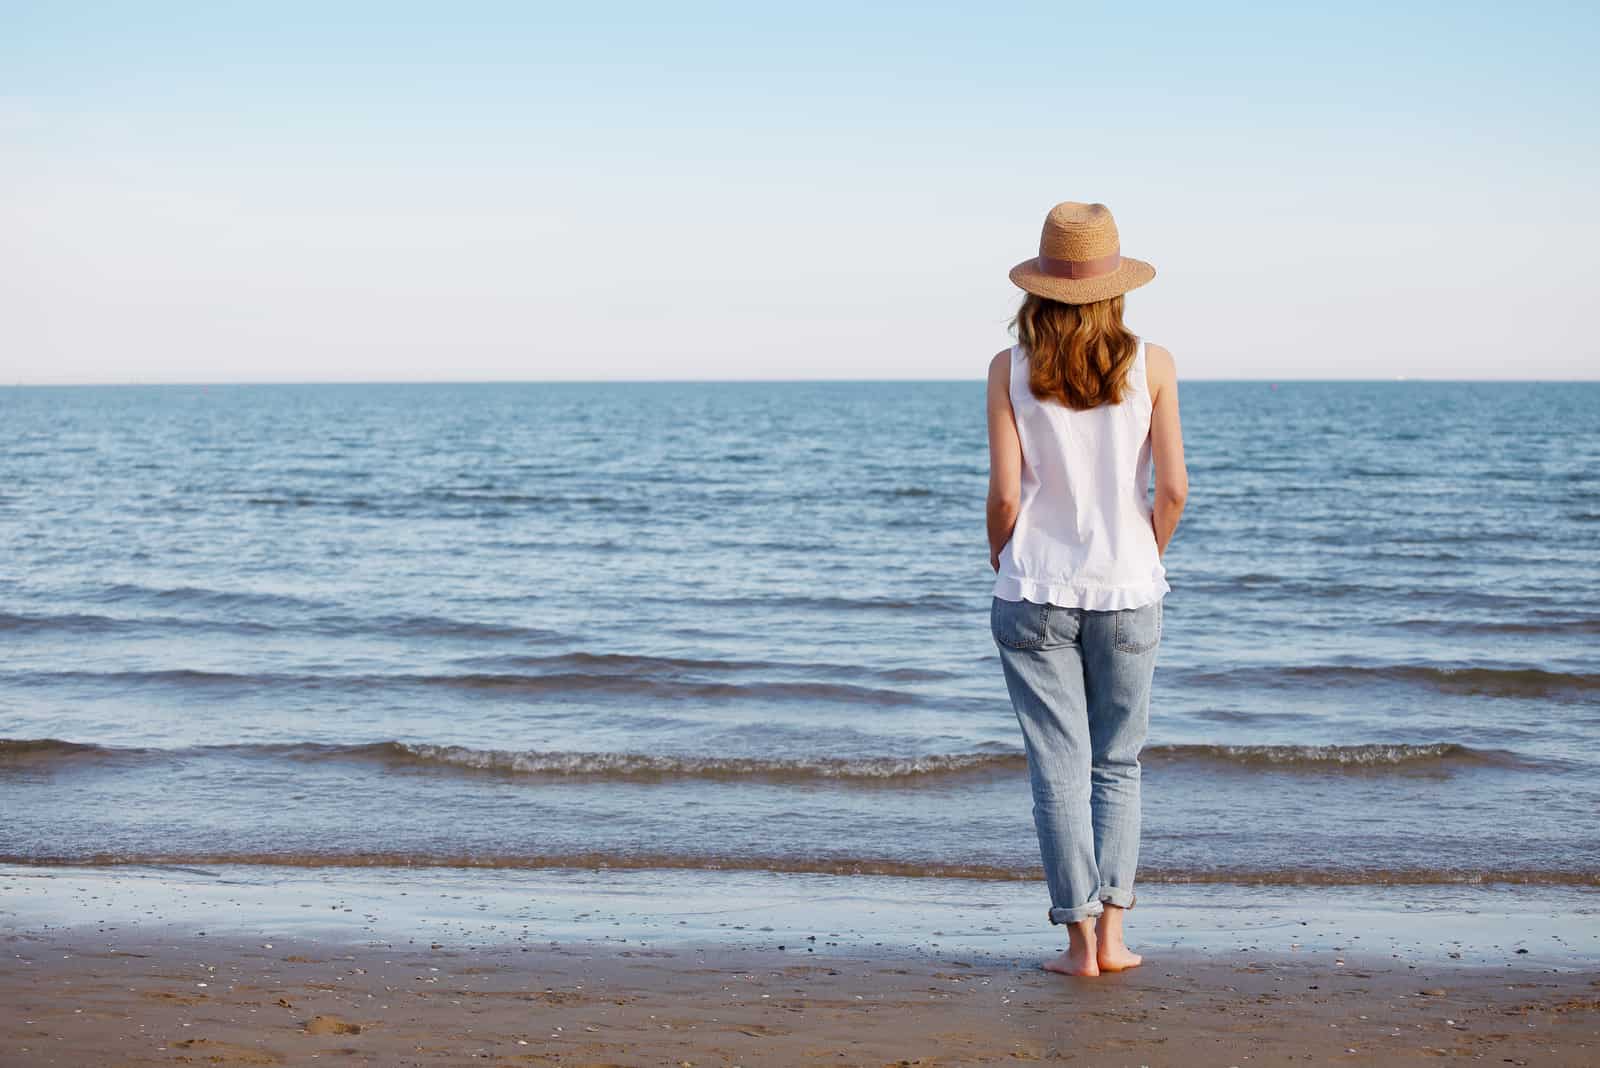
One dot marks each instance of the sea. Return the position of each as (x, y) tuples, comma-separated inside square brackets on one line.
[(713, 626)]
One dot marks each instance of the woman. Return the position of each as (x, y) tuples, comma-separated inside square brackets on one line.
[(1077, 411)]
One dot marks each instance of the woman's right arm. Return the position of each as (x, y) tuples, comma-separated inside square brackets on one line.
[(1166, 444)]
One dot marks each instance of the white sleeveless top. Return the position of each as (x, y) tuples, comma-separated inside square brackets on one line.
[(1083, 537)]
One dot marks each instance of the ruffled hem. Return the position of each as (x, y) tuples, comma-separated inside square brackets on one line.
[(1094, 598)]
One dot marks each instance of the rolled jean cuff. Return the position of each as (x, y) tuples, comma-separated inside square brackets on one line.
[(1088, 910), (1116, 895)]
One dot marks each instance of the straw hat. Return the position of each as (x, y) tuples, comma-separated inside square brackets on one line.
[(1080, 258)]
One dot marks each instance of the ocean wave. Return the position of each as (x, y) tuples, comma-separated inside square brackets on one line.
[(838, 865), (648, 766), (460, 496), (253, 612), (344, 625), (1377, 755), (633, 663), (552, 763), (90, 623), (74, 622), (481, 682), (200, 596), (163, 676), (436, 503), (1574, 625), (887, 769), (431, 626), (931, 602), (305, 500), (46, 749), (1473, 680)]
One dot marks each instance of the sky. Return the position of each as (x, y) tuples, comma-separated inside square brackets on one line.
[(352, 191)]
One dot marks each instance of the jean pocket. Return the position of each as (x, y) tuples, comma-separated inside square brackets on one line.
[(1138, 629), (1019, 624)]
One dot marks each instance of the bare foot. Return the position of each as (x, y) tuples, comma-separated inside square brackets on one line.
[(1079, 959), (1112, 954), (1073, 962), (1118, 959)]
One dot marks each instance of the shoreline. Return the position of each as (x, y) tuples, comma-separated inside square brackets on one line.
[(400, 967), (1548, 926)]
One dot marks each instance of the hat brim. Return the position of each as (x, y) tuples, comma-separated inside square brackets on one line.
[(1130, 274)]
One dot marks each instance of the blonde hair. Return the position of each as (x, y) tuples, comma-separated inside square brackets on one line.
[(1078, 354)]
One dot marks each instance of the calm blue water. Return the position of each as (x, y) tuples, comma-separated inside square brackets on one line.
[(728, 625)]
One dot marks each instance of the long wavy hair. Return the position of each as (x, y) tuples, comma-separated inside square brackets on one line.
[(1078, 354)]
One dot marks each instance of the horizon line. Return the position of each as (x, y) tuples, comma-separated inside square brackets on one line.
[(204, 383)]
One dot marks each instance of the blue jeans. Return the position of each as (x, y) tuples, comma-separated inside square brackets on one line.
[(1079, 681)]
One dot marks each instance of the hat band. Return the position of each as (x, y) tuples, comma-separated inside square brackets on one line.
[(1080, 268)]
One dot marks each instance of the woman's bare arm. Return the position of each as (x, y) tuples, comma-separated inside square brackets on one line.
[(1005, 459), (1166, 444)]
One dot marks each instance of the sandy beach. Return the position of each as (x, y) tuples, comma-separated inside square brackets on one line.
[(667, 535), (90, 1000), (108, 966)]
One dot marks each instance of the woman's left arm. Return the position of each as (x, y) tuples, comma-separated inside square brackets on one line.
[(1005, 459)]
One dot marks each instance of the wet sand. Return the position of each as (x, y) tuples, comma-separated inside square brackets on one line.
[(117, 967), (89, 1000)]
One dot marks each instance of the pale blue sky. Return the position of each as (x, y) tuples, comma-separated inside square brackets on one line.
[(296, 191)]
